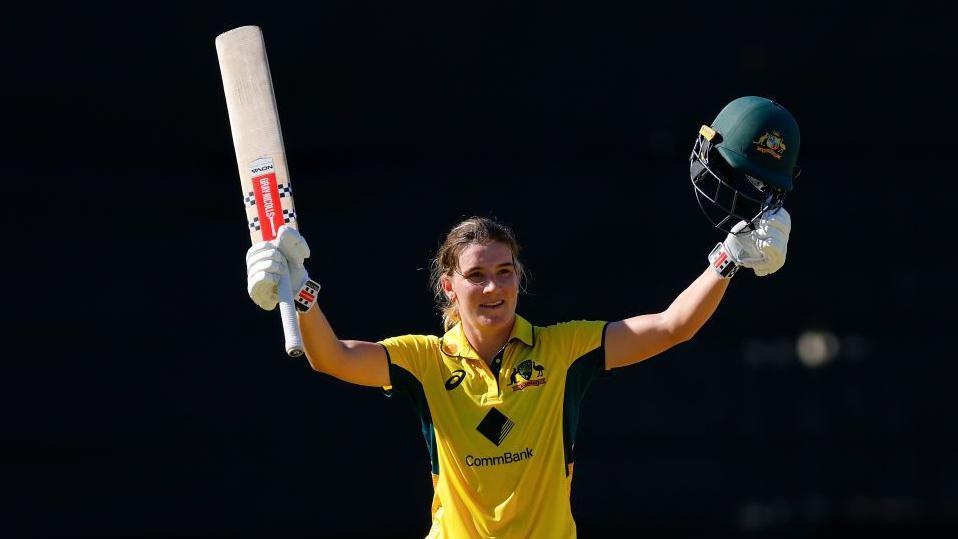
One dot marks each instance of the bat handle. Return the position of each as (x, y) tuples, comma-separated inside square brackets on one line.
[(287, 311)]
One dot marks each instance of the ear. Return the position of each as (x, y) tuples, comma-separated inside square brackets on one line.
[(446, 284)]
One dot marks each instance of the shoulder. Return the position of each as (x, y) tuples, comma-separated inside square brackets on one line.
[(410, 346), (409, 357), (411, 340), (410, 351), (572, 340), (571, 329)]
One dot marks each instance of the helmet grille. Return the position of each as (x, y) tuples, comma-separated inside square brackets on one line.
[(725, 195)]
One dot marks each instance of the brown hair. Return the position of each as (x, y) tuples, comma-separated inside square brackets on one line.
[(474, 230)]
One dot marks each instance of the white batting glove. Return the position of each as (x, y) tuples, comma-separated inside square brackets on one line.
[(267, 260), (293, 246), (763, 249)]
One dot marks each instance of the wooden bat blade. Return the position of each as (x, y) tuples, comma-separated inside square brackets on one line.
[(260, 152)]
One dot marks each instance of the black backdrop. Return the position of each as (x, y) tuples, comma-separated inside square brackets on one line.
[(142, 393)]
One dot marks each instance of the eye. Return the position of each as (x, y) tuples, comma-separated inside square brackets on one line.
[(505, 272), (476, 278)]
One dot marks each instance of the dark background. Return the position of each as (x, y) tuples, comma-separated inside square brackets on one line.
[(143, 394)]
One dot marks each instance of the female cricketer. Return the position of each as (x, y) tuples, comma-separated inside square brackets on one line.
[(498, 396)]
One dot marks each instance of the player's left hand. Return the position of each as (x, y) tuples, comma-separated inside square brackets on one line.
[(762, 249)]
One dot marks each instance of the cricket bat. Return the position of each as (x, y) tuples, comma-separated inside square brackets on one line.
[(260, 153)]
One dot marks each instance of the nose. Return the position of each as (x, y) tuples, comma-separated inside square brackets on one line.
[(496, 282)]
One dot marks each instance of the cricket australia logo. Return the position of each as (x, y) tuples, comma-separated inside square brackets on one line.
[(771, 144), (528, 373)]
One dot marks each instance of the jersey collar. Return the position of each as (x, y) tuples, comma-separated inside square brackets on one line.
[(454, 342)]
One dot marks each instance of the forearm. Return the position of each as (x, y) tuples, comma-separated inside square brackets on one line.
[(323, 349), (696, 304)]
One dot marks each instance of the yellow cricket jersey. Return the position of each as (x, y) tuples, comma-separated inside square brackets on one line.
[(500, 439)]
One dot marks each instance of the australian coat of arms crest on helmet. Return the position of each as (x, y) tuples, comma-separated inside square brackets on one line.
[(771, 144)]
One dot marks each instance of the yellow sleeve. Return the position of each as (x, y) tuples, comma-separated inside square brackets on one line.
[(578, 338), (408, 354)]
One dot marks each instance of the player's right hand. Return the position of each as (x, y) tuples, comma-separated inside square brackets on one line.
[(267, 260)]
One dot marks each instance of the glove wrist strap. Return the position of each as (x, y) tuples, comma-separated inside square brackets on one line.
[(722, 261), (306, 296)]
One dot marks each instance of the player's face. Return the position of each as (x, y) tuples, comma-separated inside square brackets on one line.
[(486, 286)]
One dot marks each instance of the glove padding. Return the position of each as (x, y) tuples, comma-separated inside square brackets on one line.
[(267, 260), (763, 249)]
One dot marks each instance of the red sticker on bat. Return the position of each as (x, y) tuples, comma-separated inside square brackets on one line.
[(267, 197)]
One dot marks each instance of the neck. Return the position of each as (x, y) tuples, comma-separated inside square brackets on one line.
[(488, 343)]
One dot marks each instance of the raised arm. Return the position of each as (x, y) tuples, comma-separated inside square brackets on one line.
[(357, 362), (641, 337)]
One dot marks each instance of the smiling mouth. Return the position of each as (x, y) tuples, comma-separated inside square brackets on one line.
[(494, 305)]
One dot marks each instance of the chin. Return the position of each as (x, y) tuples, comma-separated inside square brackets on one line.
[(495, 319)]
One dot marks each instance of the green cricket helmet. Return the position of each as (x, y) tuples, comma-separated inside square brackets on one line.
[(745, 162)]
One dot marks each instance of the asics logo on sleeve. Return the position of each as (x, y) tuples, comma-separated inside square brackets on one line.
[(457, 377)]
